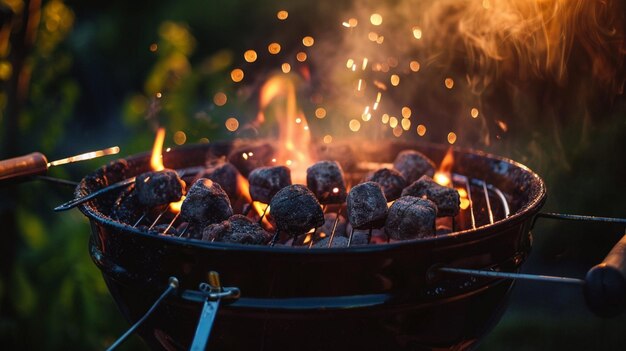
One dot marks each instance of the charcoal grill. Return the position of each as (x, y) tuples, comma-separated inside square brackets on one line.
[(444, 292)]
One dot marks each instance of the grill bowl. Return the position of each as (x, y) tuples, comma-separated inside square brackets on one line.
[(372, 297)]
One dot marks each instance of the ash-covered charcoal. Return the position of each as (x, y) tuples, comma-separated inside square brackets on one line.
[(116, 171), (160, 229), (447, 199), (224, 174), (359, 238), (159, 188), (367, 206), (325, 180), (96, 180), (390, 180), (127, 208), (411, 218), (413, 164), (238, 229), (329, 222), (206, 203), (249, 157), (338, 241), (265, 182), (296, 210)]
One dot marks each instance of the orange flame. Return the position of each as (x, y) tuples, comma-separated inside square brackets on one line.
[(259, 207), (156, 161), (294, 137), (442, 176), (175, 206)]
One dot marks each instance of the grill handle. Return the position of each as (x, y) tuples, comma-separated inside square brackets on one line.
[(605, 288), (23, 166)]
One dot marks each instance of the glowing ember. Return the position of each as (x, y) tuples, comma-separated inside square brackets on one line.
[(232, 124), (406, 124), (376, 19), (250, 56), (397, 132), (273, 48), (474, 112), (282, 15), (354, 125), (285, 67), (451, 137), (395, 80), (385, 118), (320, 112), (156, 160), (414, 66), (328, 139), (308, 41), (449, 83), (502, 125), (220, 99), (421, 130), (236, 75), (393, 122), (406, 112), (417, 33), (442, 176), (301, 56)]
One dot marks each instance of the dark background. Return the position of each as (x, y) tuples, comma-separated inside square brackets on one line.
[(92, 79)]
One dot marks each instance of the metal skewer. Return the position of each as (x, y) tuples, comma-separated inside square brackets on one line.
[(505, 275), (36, 163)]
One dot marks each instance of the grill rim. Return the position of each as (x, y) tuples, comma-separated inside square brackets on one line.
[(523, 214)]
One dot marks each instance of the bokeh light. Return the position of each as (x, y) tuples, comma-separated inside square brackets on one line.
[(232, 124)]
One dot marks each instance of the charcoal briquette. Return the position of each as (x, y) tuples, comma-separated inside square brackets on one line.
[(411, 218), (238, 229), (447, 199), (226, 175), (206, 203), (390, 180), (127, 208), (265, 182), (159, 187), (367, 206), (413, 164), (325, 180), (116, 171), (296, 210), (338, 241)]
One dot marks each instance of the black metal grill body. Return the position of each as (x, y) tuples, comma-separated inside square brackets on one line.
[(369, 297)]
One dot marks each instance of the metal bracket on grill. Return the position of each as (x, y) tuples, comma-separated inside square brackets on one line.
[(210, 294)]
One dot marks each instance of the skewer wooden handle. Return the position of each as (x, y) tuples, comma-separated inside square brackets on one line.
[(23, 166), (605, 288)]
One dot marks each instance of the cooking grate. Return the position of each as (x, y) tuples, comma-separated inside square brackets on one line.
[(486, 204)]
